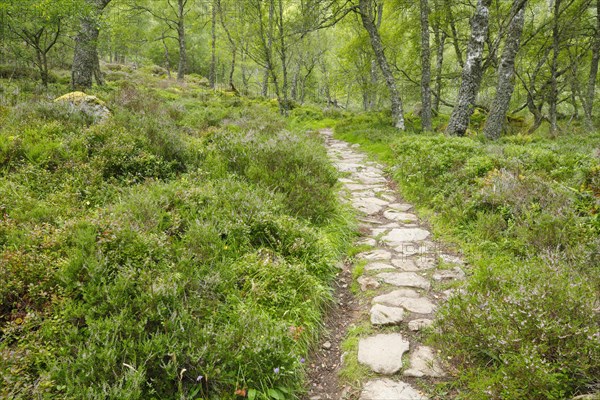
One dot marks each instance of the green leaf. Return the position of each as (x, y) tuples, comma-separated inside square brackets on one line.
[(251, 394), (276, 394)]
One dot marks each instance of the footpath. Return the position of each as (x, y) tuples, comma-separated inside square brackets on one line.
[(402, 281)]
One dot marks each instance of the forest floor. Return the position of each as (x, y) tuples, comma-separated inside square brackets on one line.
[(399, 283)]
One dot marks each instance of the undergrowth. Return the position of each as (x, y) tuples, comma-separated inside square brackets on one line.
[(182, 249), (525, 210)]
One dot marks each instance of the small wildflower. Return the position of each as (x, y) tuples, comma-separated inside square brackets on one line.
[(276, 370), (199, 378), (240, 392), (302, 360)]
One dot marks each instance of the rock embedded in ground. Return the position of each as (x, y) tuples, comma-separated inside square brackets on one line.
[(398, 298), (383, 353), (387, 389), (87, 104), (398, 236), (402, 207), (368, 283), (378, 266), (375, 255), (395, 215), (420, 323), (455, 273), (405, 264), (424, 362), (404, 279), (384, 315)]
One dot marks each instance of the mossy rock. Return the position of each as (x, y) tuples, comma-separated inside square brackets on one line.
[(87, 104)]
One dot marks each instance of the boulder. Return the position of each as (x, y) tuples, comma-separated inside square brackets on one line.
[(87, 104)]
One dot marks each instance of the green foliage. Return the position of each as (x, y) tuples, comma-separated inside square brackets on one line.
[(152, 257), (525, 211)]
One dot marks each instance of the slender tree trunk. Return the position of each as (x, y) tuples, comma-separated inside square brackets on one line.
[(167, 60), (265, 85), (588, 104), (454, 32), (85, 56), (213, 53), (285, 106), (440, 40), (439, 65), (181, 38), (494, 125), (371, 28), (425, 68), (472, 71), (553, 98), (372, 92)]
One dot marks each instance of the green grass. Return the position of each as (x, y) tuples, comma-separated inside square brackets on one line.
[(525, 211), (183, 249)]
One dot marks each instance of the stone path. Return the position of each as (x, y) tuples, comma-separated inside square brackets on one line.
[(400, 272)]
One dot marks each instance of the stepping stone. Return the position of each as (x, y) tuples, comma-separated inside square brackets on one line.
[(418, 324), (410, 249), (405, 264), (368, 283), (378, 266), (403, 207), (426, 263), (399, 298), (450, 259), (371, 180), (384, 315), (375, 255), (383, 353), (398, 236), (455, 273), (423, 362), (347, 181), (395, 215), (387, 196), (357, 187), (347, 167), (369, 205), (387, 389), (407, 279)]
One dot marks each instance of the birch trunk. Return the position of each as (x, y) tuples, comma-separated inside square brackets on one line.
[(494, 125), (472, 71), (376, 44), (425, 68), (588, 105)]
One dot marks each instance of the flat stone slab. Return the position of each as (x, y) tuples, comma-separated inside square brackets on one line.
[(387, 389), (407, 279), (383, 353), (378, 266), (450, 259), (418, 324), (405, 264), (455, 273), (395, 215), (369, 205), (356, 187), (374, 255), (399, 298), (426, 262), (401, 206), (401, 235), (384, 315), (423, 362)]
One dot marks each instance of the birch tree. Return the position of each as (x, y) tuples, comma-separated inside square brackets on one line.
[(472, 71)]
